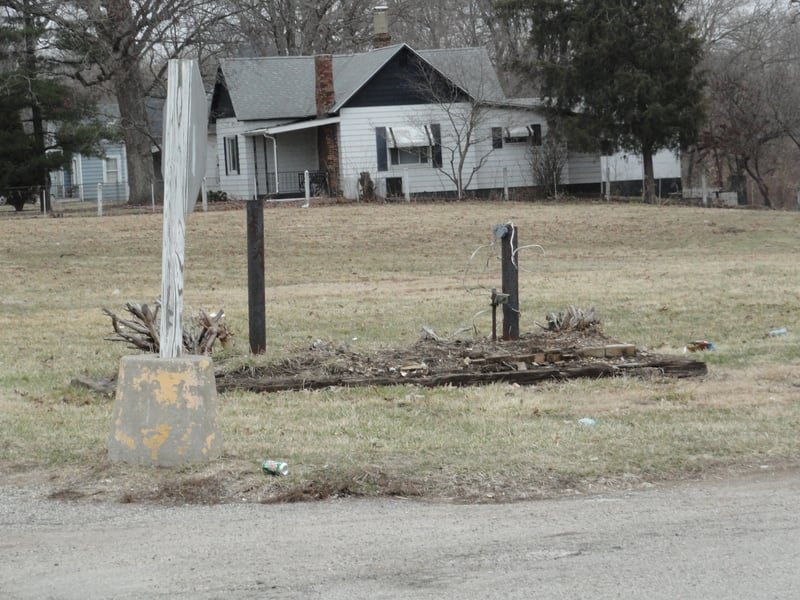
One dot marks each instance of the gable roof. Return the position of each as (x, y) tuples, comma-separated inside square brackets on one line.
[(470, 69), (283, 87)]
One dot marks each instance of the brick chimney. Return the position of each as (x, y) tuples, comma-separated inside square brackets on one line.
[(325, 96), (380, 28)]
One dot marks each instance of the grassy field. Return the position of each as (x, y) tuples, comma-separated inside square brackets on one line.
[(371, 275)]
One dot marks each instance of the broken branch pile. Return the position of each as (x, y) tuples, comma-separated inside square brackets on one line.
[(141, 331), (572, 319)]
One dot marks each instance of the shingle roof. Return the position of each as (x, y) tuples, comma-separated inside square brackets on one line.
[(270, 88), (283, 87), (470, 69)]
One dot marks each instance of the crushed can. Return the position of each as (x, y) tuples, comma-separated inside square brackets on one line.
[(698, 345), (274, 467)]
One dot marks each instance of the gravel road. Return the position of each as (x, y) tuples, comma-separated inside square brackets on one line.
[(723, 539)]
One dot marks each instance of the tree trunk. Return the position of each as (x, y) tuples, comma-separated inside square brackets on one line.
[(649, 178), (130, 93), (37, 120)]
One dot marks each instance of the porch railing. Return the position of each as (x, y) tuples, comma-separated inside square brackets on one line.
[(293, 183)]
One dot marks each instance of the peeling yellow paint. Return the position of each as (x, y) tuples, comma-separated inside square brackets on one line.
[(185, 440), (209, 440), (170, 387), (124, 438), (155, 438)]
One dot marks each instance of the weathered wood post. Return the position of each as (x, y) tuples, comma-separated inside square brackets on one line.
[(510, 274), (165, 409), (255, 276)]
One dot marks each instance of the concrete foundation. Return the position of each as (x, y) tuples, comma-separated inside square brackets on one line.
[(165, 412)]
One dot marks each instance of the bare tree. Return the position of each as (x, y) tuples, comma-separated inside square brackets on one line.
[(548, 161), (301, 27), (753, 98), (122, 46), (464, 98), (459, 24)]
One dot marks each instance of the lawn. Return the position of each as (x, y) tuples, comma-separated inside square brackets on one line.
[(370, 276)]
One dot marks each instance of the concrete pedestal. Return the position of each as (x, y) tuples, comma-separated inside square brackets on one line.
[(165, 412)]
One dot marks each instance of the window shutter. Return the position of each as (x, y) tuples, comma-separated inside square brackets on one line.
[(436, 132), (380, 148), (497, 137), (536, 134), (225, 152)]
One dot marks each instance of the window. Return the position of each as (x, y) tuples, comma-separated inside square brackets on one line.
[(394, 187), (409, 156), (409, 145), (111, 169), (526, 134), (231, 149)]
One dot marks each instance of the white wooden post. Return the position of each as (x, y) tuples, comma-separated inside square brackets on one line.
[(43, 200), (99, 199), (307, 185), (185, 121), (153, 195), (406, 186), (204, 195), (505, 183), (705, 190)]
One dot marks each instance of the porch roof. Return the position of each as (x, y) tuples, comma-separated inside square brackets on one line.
[(297, 126)]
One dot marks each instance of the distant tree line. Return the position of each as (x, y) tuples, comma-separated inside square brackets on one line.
[(718, 78)]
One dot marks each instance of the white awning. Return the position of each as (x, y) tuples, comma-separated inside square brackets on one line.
[(276, 129), (408, 137), (518, 132)]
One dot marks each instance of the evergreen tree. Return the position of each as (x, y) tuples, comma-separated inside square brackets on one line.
[(625, 72), (43, 121)]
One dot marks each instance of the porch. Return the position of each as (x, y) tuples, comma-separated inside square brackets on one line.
[(281, 155), (292, 184)]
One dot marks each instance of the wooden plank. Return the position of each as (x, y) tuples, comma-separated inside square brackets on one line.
[(666, 366)]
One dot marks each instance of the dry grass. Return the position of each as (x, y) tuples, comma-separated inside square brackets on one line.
[(371, 275)]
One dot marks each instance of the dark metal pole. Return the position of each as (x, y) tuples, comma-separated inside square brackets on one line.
[(509, 259), (255, 276)]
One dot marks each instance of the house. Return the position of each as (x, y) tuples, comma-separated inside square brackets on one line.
[(392, 120), (87, 175)]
